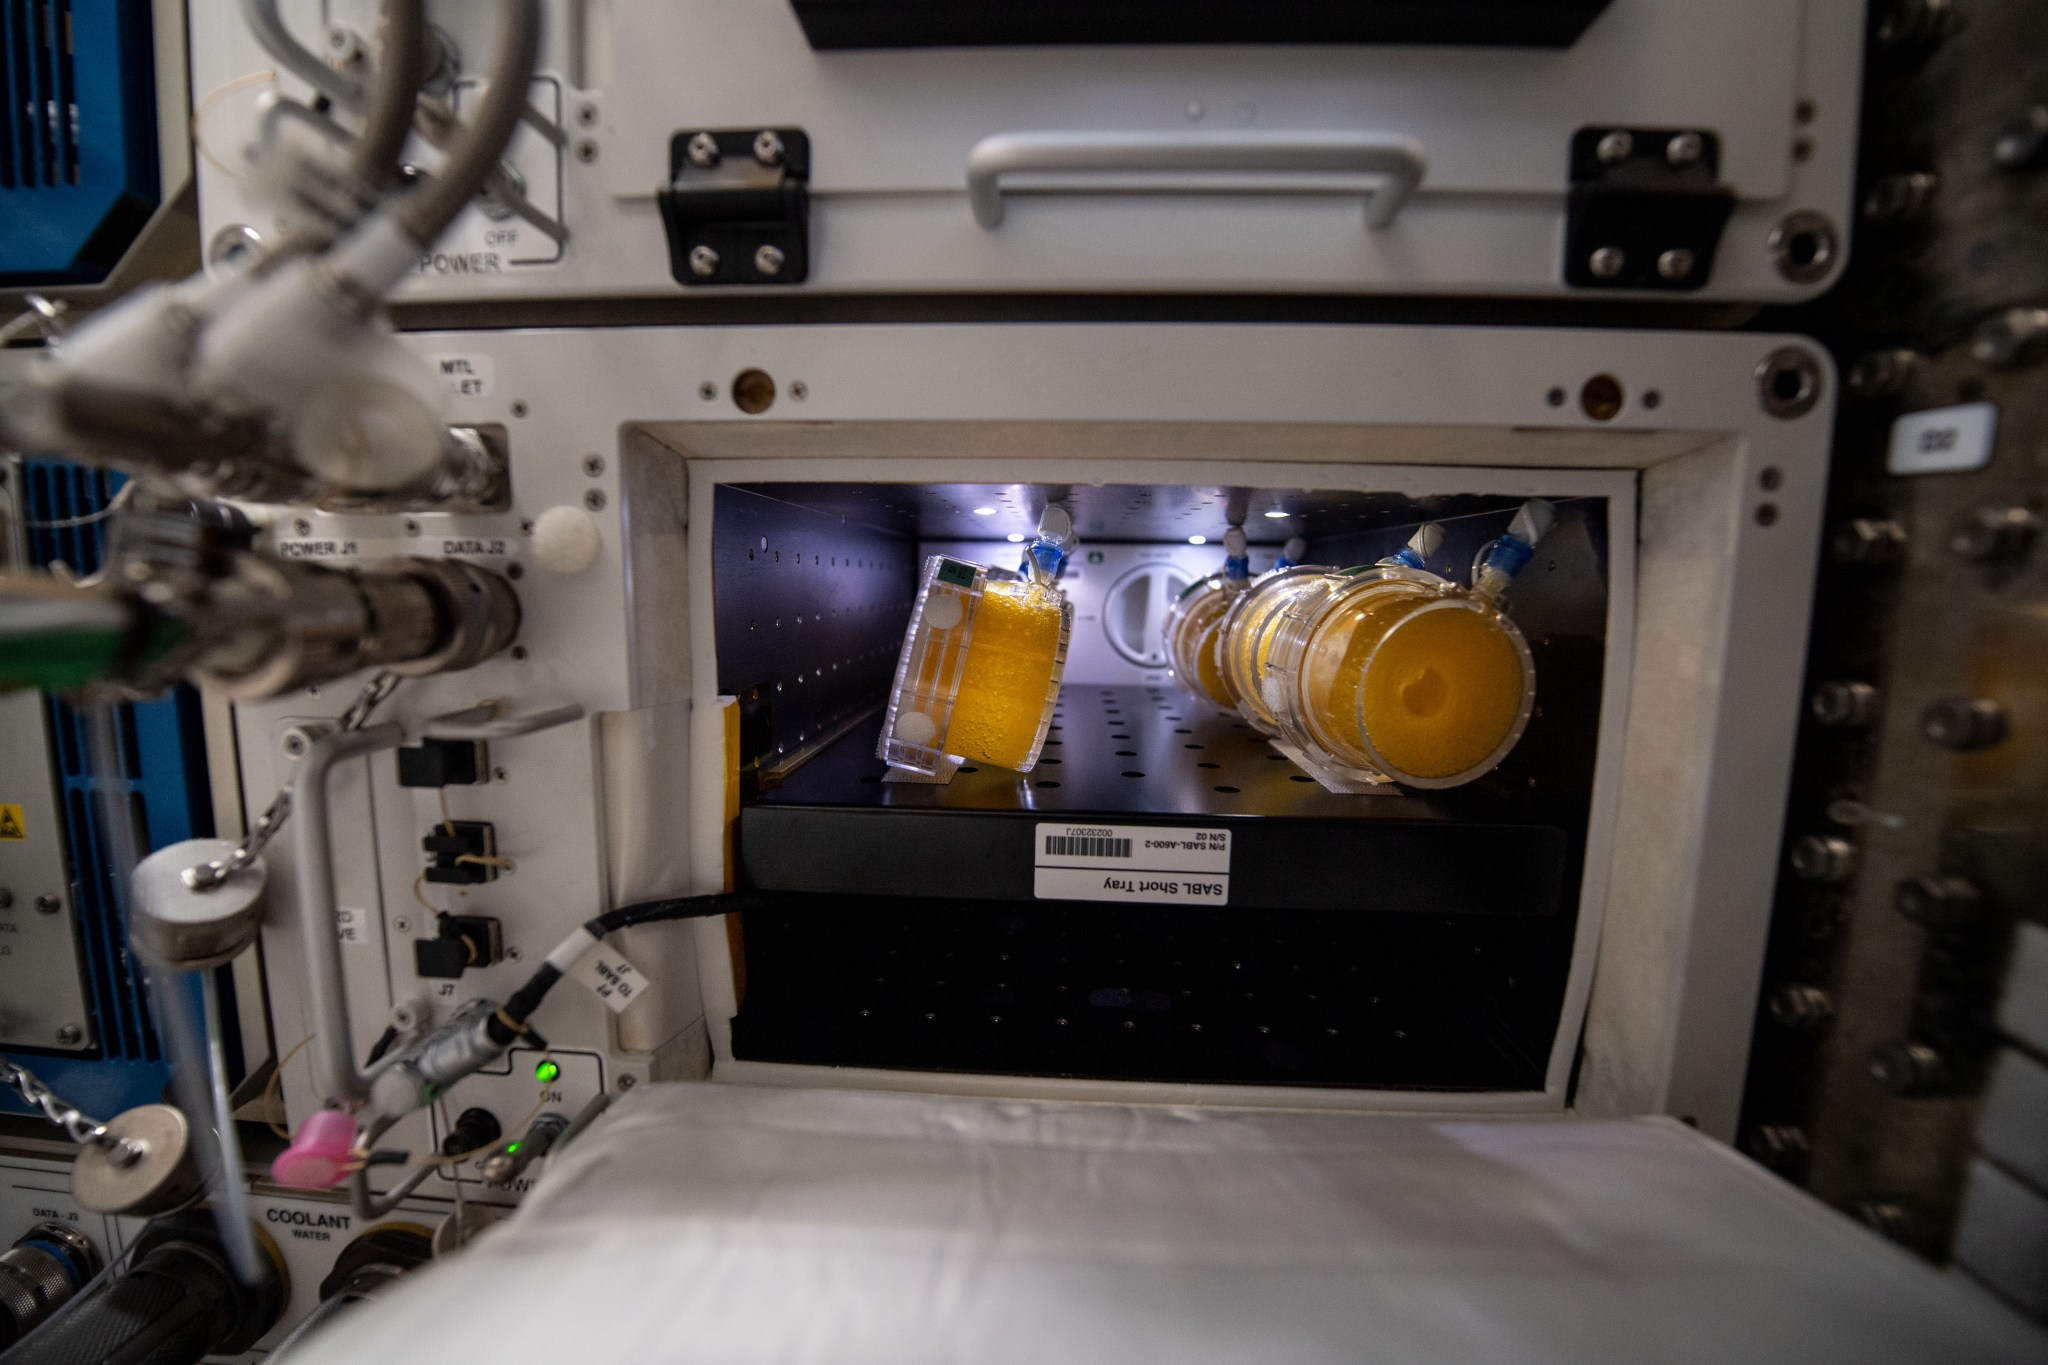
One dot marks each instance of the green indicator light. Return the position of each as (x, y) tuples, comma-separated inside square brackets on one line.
[(546, 1072), (511, 1147)]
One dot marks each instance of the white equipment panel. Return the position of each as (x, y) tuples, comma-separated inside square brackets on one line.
[(637, 428), (1367, 169)]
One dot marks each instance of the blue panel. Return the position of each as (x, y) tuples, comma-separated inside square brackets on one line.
[(78, 145), (158, 789)]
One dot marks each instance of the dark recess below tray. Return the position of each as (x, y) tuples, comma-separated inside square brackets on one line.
[(1444, 989)]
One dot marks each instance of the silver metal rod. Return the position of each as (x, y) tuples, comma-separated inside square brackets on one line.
[(334, 1063)]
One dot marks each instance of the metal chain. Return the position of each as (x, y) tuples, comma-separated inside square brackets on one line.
[(205, 876), (79, 1127)]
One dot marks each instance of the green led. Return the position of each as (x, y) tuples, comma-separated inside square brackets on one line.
[(511, 1147), (546, 1072)]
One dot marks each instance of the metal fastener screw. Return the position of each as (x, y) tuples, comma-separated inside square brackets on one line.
[(1883, 374), (412, 528), (768, 148), (1615, 146), (295, 743), (703, 261), (1606, 262), (586, 151), (768, 259), (1684, 149), (798, 391), (1901, 198), (702, 150), (70, 1035), (400, 924), (302, 527), (587, 116), (2013, 338), (1822, 858), (594, 499), (1675, 264), (1838, 703), (628, 1082), (48, 905), (2023, 145), (707, 391), (593, 465)]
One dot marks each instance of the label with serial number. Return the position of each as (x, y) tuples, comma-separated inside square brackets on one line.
[(1076, 862), (1943, 440)]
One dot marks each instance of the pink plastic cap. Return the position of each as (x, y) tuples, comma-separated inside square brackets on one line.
[(320, 1153)]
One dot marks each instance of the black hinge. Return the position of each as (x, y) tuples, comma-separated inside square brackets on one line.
[(737, 206), (1647, 208)]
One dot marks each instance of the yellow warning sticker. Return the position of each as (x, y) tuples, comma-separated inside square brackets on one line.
[(11, 825)]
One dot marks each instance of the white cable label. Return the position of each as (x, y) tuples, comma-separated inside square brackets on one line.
[(610, 977), (1943, 440), (1131, 863)]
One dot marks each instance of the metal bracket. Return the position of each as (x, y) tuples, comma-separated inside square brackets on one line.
[(737, 206), (1646, 208)]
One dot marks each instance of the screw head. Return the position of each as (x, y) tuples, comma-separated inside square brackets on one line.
[(1965, 724), (768, 148), (295, 743), (1839, 703), (1822, 858), (1995, 535), (703, 261), (1615, 146), (2023, 144), (702, 151), (1939, 901), (1675, 264), (1606, 262), (586, 151), (400, 924), (628, 1082), (70, 1035), (1684, 148), (2011, 339), (593, 465), (707, 391), (302, 527), (48, 905), (586, 116), (1883, 374), (412, 528), (594, 499), (768, 259), (798, 390)]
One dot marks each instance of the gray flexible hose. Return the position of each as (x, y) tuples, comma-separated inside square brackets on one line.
[(426, 212), (268, 26), (401, 59)]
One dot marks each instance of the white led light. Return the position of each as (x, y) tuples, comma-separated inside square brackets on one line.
[(1015, 537), (1198, 540), (1277, 515), (984, 511)]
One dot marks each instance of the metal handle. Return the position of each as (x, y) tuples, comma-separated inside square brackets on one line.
[(1384, 167)]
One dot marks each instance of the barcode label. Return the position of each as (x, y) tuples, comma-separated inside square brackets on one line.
[(1086, 846), (1132, 862)]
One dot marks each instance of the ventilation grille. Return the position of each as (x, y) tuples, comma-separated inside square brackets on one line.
[(157, 786), (40, 119)]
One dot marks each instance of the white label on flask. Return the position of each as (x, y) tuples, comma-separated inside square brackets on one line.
[(1943, 440), (610, 978), (1166, 866), (470, 374)]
